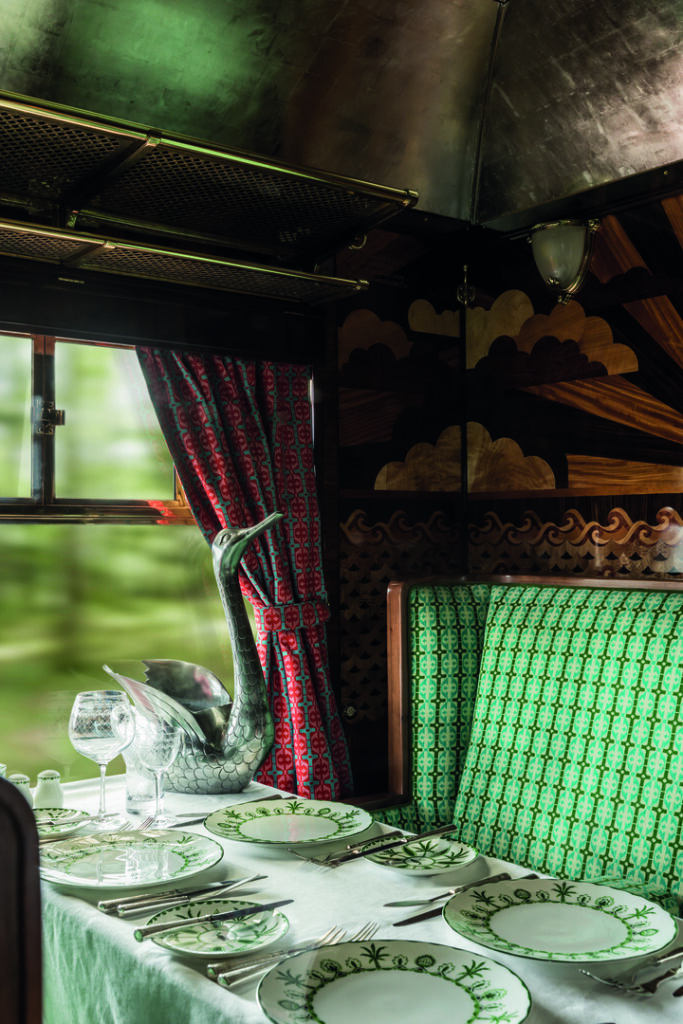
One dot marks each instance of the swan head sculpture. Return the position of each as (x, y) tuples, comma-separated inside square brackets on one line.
[(225, 739), (230, 543)]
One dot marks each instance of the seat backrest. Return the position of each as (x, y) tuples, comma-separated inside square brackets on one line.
[(436, 630), (20, 924), (575, 761)]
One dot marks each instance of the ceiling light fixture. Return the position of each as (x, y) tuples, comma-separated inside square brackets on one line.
[(562, 251)]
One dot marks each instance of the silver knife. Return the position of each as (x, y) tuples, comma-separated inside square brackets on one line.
[(226, 915), (187, 821), (109, 906), (394, 844), (155, 906), (437, 911), (41, 820)]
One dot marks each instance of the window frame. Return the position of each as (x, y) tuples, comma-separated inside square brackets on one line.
[(42, 506)]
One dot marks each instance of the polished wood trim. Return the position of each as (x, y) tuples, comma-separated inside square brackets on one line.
[(607, 582), (165, 513)]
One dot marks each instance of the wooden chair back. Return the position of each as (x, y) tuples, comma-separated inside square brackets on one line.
[(20, 921)]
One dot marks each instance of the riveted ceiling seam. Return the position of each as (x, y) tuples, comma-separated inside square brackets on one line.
[(486, 94)]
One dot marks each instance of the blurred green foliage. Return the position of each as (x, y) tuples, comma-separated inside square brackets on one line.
[(76, 596), (73, 597)]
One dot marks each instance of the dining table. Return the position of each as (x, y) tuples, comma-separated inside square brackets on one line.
[(97, 972)]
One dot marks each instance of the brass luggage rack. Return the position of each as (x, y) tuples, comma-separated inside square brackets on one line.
[(88, 192)]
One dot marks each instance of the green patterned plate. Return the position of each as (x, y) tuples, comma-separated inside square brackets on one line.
[(547, 919), (122, 860), (426, 857), (58, 821), (392, 981), (219, 938), (288, 822)]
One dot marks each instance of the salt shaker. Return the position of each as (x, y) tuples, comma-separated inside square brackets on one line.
[(23, 784), (48, 791)]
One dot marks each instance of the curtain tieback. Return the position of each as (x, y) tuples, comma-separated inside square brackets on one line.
[(276, 618)]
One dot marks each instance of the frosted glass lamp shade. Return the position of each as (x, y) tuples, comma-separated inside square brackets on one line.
[(562, 253)]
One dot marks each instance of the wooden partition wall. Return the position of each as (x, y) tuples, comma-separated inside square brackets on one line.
[(521, 438)]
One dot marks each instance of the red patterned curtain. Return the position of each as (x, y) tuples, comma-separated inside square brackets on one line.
[(240, 436)]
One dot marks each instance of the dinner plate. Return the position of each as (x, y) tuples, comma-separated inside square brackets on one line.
[(426, 857), (288, 822), (123, 860), (58, 821), (392, 980), (219, 938), (549, 919)]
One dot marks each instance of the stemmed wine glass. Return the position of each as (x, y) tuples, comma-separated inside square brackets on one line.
[(157, 744), (101, 725)]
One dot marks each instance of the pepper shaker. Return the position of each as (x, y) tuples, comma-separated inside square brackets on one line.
[(48, 790), (23, 784)]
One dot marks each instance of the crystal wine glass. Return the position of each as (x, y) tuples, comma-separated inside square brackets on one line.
[(157, 744), (101, 725)]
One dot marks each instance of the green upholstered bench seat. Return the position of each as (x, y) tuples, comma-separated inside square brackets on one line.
[(545, 718), (575, 760), (439, 627)]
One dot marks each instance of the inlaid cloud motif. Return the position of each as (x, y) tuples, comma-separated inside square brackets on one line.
[(498, 465), (512, 317)]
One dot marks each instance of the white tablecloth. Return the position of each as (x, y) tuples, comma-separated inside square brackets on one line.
[(96, 973)]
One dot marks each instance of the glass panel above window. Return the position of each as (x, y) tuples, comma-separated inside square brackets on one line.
[(15, 417), (110, 445)]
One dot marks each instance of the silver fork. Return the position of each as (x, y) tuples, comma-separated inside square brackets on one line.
[(384, 837), (239, 974), (223, 967), (666, 966), (359, 845), (45, 840)]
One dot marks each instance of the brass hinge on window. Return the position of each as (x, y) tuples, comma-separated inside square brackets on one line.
[(50, 418)]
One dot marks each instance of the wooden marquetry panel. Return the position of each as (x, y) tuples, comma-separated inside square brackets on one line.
[(366, 417), (501, 464), (663, 323), (575, 546), (591, 475), (613, 251), (619, 401), (673, 208)]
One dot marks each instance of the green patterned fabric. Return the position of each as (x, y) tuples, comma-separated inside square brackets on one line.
[(446, 631), (575, 764)]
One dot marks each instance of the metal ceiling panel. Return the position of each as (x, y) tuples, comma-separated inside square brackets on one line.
[(584, 94), (578, 95), (375, 90)]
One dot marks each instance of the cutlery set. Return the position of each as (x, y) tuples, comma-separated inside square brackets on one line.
[(646, 978), (225, 967), (368, 847), (228, 975), (151, 902), (401, 840), (425, 915), (225, 915)]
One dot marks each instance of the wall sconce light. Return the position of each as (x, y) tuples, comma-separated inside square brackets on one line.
[(562, 251)]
